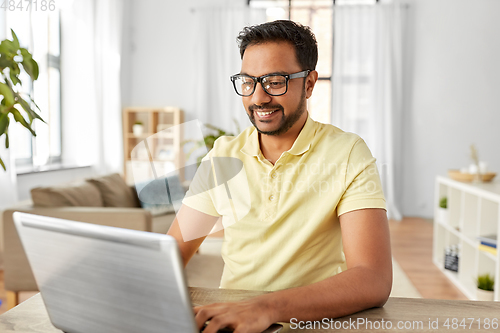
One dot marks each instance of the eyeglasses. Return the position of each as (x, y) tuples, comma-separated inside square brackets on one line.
[(273, 84)]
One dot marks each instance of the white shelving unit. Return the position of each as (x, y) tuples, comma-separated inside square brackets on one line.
[(473, 210), (162, 134)]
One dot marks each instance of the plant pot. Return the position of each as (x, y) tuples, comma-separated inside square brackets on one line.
[(484, 295), (442, 215), (138, 129)]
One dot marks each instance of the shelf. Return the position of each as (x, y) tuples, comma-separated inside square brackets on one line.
[(142, 136), (161, 141), (488, 255), (148, 135), (453, 277), (473, 210), (147, 160)]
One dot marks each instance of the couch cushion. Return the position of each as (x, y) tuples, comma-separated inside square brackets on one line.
[(114, 191), (77, 194), (161, 223)]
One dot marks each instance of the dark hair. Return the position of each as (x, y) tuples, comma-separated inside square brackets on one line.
[(300, 36)]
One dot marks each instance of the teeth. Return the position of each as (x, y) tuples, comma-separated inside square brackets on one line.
[(264, 113)]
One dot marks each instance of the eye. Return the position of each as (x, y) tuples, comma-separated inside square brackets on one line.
[(246, 83), (275, 82)]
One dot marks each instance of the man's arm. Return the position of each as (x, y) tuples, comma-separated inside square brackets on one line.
[(366, 283), (190, 228)]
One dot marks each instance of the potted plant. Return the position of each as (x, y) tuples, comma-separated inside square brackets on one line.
[(14, 60), (485, 289), (208, 140), (443, 210), (138, 128)]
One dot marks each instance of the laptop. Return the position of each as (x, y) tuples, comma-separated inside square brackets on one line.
[(96, 278)]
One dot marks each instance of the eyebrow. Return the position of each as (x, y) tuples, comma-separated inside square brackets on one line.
[(272, 73)]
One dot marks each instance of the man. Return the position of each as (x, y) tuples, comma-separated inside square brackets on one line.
[(316, 233)]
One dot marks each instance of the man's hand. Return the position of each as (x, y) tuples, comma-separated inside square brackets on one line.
[(249, 316)]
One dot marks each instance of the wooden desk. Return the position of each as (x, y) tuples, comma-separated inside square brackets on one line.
[(421, 314)]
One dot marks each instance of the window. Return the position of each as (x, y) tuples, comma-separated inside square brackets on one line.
[(318, 15), (39, 32)]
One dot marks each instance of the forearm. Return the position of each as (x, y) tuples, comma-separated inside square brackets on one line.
[(187, 249), (351, 291), (190, 228)]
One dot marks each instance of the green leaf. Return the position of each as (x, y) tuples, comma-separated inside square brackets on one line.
[(13, 77), (3, 165), (32, 101), (15, 68), (3, 49), (7, 94), (31, 113), (4, 60), (4, 123), (36, 71), (20, 119), (8, 47), (14, 38), (7, 140), (29, 64)]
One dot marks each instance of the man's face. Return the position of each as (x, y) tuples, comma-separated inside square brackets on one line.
[(275, 115)]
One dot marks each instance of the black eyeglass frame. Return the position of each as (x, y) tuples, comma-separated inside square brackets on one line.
[(260, 78)]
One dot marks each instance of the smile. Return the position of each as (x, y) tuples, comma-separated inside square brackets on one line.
[(263, 114)]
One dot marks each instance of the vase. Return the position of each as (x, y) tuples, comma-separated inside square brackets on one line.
[(484, 295), (137, 129), (442, 215)]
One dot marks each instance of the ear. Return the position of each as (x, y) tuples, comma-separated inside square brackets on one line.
[(311, 80)]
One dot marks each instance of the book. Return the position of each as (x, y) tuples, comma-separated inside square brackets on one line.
[(488, 249), (490, 239), (489, 244)]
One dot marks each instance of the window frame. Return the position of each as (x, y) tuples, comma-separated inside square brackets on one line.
[(53, 62)]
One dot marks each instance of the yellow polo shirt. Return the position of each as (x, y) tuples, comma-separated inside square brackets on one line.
[(281, 221)]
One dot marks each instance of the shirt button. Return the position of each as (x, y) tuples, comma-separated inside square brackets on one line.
[(273, 175), (271, 198)]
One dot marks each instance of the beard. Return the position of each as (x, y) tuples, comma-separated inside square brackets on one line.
[(286, 122)]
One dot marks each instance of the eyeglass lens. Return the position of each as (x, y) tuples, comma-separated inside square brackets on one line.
[(273, 85)]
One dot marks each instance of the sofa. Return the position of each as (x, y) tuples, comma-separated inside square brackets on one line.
[(106, 200)]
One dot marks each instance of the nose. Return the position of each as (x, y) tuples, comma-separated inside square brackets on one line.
[(259, 96)]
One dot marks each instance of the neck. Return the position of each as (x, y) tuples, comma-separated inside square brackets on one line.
[(273, 146)]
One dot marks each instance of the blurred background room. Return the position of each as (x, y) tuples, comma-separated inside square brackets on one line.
[(418, 80)]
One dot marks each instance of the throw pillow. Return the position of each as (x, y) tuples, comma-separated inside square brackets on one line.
[(162, 195), (77, 194), (114, 191)]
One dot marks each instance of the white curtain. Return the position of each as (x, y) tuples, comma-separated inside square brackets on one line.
[(217, 59), (90, 75), (8, 180), (367, 85)]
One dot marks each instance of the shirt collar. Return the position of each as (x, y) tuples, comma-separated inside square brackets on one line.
[(299, 147)]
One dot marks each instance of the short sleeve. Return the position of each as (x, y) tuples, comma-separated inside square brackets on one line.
[(362, 181)]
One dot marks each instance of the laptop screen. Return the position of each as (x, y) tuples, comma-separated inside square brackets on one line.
[(103, 279)]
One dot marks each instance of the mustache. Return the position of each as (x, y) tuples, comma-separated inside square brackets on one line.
[(265, 107)]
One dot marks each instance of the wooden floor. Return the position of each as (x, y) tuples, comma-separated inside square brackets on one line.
[(411, 247), (411, 241)]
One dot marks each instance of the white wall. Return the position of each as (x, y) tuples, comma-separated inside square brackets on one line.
[(28, 181), (453, 90), (158, 49)]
